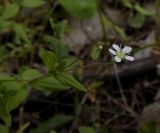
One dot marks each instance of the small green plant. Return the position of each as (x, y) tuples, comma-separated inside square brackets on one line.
[(34, 57)]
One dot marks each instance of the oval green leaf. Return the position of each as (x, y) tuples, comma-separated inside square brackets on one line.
[(80, 8)]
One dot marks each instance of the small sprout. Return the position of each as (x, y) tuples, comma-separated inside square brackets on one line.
[(121, 53)]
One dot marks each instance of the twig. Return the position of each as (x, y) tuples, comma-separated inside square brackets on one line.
[(78, 112), (114, 117), (119, 85), (21, 111), (121, 91)]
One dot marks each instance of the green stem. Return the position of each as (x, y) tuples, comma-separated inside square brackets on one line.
[(100, 14), (39, 78), (23, 128), (28, 81)]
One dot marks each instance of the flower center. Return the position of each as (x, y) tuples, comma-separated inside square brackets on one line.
[(121, 54)]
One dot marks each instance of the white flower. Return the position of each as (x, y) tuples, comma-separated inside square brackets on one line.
[(120, 53)]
